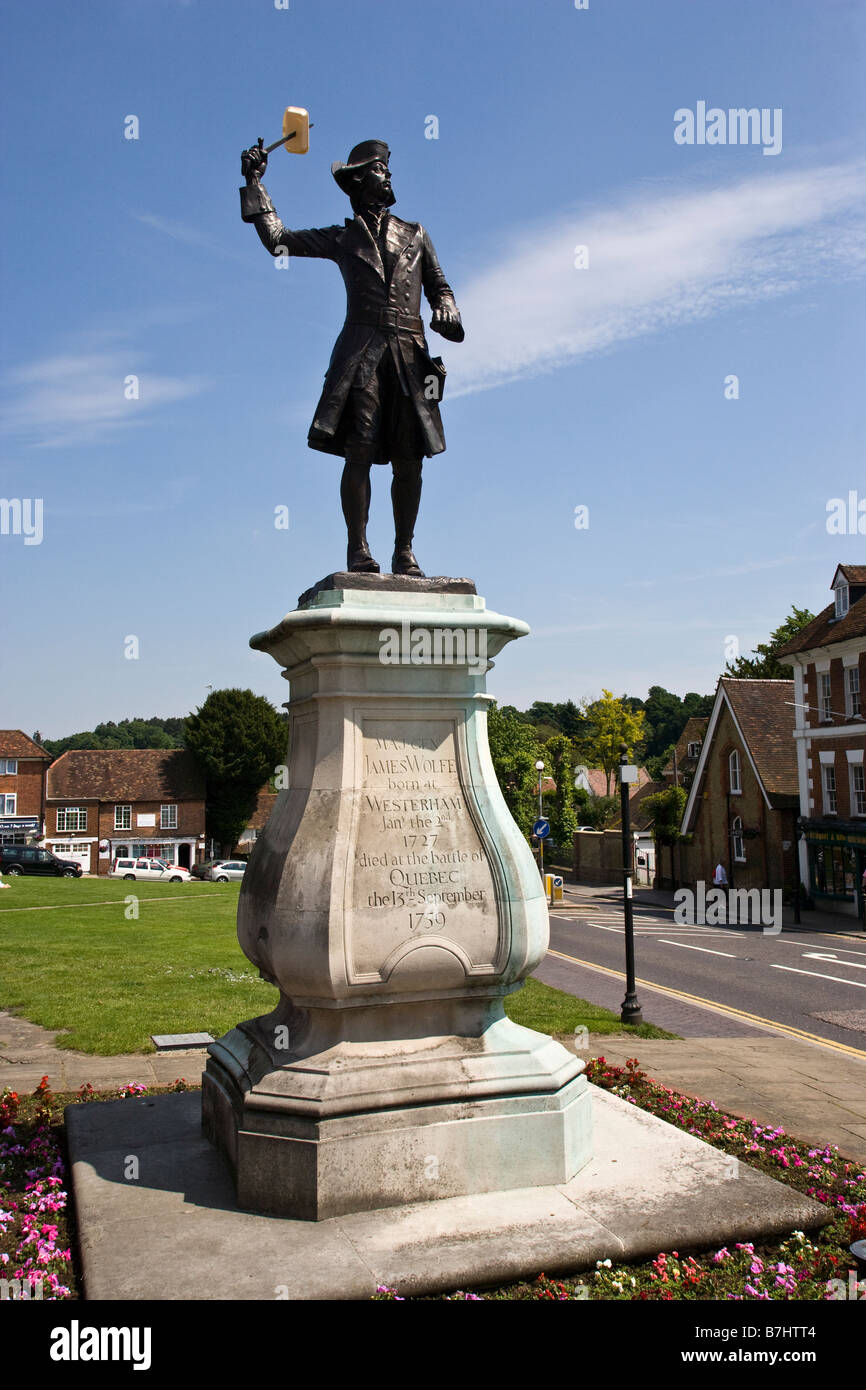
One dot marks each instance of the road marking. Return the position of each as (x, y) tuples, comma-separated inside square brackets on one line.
[(858, 984), (831, 955), (726, 1009), (706, 949)]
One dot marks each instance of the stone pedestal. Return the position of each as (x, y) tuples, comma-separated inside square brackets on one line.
[(394, 902)]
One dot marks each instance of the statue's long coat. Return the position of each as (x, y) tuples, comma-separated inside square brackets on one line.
[(389, 294)]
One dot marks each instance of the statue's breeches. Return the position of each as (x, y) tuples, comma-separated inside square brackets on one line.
[(381, 420)]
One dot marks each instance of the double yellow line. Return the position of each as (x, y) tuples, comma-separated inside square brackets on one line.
[(721, 1008)]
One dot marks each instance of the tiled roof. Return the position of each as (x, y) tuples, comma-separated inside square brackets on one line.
[(14, 744), (265, 802), (855, 574), (639, 819), (125, 774), (764, 711), (824, 630), (597, 778)]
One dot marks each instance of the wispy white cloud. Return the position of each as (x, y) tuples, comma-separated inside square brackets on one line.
[(79, 397), (656, 261), (189, 236)]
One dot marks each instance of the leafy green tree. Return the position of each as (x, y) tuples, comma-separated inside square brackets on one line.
[(655, 766), (612, 723), (237, 738), (666, 812), (601, 812), (559, 757), (128, 733), (667, 716), (762, 664), (515, 750)]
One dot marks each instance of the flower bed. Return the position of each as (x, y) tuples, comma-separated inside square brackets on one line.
[(36, 1226), (797, 1268)]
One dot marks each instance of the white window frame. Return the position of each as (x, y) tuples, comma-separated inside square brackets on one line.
[(735, 780), (63, 817), (842, 600), (694, 750), (10, 767), (10, 803), (825, 697), (857, 785), (738, 844), (852, 692), (168, 816), (829, 790), (123, 817)]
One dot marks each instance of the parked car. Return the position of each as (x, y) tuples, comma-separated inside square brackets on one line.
[(221, 870), (154, 870), (28, 859)]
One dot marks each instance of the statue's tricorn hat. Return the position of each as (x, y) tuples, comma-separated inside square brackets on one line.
[(366, 153)]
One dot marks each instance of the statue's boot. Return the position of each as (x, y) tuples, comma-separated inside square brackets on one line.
[(355, 499), (405, 500)]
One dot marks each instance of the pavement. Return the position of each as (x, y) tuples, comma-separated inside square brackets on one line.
[(815, 1093), (28, 1052)]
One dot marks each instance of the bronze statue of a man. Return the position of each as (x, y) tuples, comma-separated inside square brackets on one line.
[(380, 401)]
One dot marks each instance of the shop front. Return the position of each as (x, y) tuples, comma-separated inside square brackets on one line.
[(837, 860)]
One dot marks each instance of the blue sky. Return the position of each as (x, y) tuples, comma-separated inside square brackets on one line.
[(601, 386)]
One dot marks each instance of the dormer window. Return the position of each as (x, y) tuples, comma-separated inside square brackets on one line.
[(841, 599), (694, 749)]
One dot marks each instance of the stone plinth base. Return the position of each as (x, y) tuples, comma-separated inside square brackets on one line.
[(178, 1233), (337, 1132)]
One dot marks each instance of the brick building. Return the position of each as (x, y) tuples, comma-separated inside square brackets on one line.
[(829, 662), (23, 764), (144, 802), (681, 769), (742, 805)]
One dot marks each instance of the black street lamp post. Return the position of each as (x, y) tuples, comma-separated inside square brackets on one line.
[(630, 1011)]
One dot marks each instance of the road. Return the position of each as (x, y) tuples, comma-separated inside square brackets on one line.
[(709, 980)]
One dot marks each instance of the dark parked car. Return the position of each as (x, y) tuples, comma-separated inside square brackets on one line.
[(27, 859)]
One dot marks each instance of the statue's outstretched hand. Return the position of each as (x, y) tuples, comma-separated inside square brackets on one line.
[(445, 320), (254, 162)]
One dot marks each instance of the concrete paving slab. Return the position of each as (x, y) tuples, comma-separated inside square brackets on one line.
[(814, 1094), (175, 1232)]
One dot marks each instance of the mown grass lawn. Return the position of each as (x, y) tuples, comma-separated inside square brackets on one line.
[(77, 962), (71, 958)]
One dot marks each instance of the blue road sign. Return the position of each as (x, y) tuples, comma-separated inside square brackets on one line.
[(541, 829)]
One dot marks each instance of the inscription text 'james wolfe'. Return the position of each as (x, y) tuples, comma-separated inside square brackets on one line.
[(421, 875)]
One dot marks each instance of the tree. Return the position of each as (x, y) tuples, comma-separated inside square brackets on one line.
[(762, 664), (612, 723), (237, 738), (595, 811), (665, 810), (128, 733), (559, 756), (515, 750), (667, 716), (656, 766)]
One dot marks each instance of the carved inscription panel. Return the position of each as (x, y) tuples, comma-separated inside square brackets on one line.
[(420, 873)]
